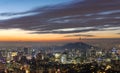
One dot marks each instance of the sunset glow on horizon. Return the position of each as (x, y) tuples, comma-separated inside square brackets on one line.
[(21, 35)]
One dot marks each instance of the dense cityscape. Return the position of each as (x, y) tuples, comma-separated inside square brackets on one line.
[(59, 36), (84, 59)]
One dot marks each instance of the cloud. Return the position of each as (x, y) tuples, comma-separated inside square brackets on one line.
[(6, 16), (76, 30), (64, 32), (118, 33), (79, 35), (88, 13)]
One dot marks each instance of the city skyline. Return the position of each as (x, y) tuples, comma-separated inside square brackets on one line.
[(58, 20)]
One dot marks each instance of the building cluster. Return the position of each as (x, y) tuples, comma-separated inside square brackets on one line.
[(32, 60)]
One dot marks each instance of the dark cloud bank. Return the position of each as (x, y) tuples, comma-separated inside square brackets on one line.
[(91, 14)]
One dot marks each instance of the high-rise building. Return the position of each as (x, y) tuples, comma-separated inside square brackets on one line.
[(26, 50)]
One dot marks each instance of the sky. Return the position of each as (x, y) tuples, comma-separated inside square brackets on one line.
[(58, 20)]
